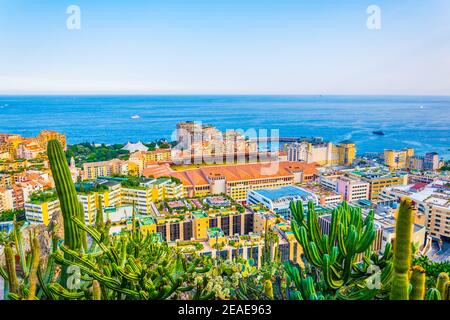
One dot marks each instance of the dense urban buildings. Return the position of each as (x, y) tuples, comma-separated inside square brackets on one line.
[(223, 209), (432, 200)]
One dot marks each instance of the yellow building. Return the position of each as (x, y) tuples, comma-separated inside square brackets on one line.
[(346, 153), (41, 212), (46, 135), (395, 159), (135, 168), (145, 224), (216, 238), (94, 170), (379, 180), (140, 197), (141, 159), (200, 225), (13, 165)]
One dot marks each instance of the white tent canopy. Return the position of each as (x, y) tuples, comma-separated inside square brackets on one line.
[(134, 147)]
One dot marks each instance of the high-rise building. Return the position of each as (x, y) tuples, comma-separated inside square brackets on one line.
[(322, 153), (395, 159), (431, 161)]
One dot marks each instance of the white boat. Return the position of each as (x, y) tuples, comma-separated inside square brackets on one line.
[(135, 117)]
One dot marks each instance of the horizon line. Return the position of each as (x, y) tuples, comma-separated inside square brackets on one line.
[(50, 94)]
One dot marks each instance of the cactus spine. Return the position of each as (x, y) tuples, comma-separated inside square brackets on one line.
[(418, 283), (402, 251)]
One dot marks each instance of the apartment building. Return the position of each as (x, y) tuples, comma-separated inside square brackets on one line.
[(141, 159), (353, 189), (94, 170), (6, 199), (378, 180), (397, 159)]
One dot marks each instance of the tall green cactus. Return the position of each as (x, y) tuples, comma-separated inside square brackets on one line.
[(417, 283), (446, 295), (67, 194), (74, 237), (335, 253), (11, 270), (443, 278), (33, 278), (402, 250)]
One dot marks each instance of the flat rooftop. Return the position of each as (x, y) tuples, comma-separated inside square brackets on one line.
[(215, 232), (199, 214), (290, 191)]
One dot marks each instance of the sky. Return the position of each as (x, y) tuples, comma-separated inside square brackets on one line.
[(225, 47)]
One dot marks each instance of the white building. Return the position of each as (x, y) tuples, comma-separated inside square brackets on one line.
[(278, 200)]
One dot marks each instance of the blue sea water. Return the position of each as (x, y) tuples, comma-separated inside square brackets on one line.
[(419, 122)]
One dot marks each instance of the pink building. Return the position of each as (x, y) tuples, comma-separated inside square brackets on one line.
[(353, 189)]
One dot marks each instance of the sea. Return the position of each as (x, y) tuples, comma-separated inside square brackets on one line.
[(419, 122)]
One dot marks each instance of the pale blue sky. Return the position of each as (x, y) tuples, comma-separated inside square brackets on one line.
[(225, 47)]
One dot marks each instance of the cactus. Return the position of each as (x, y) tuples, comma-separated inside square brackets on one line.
[(96, 290), (13, 283), (99, 217), (335, 253), (67, 195), (33, 278), (268, 288), (417, 283), (302, 287), (446, 295), (402, 251), (440, 284), (433, 294)]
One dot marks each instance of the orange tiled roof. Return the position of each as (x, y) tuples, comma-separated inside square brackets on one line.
[(237, 172)]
